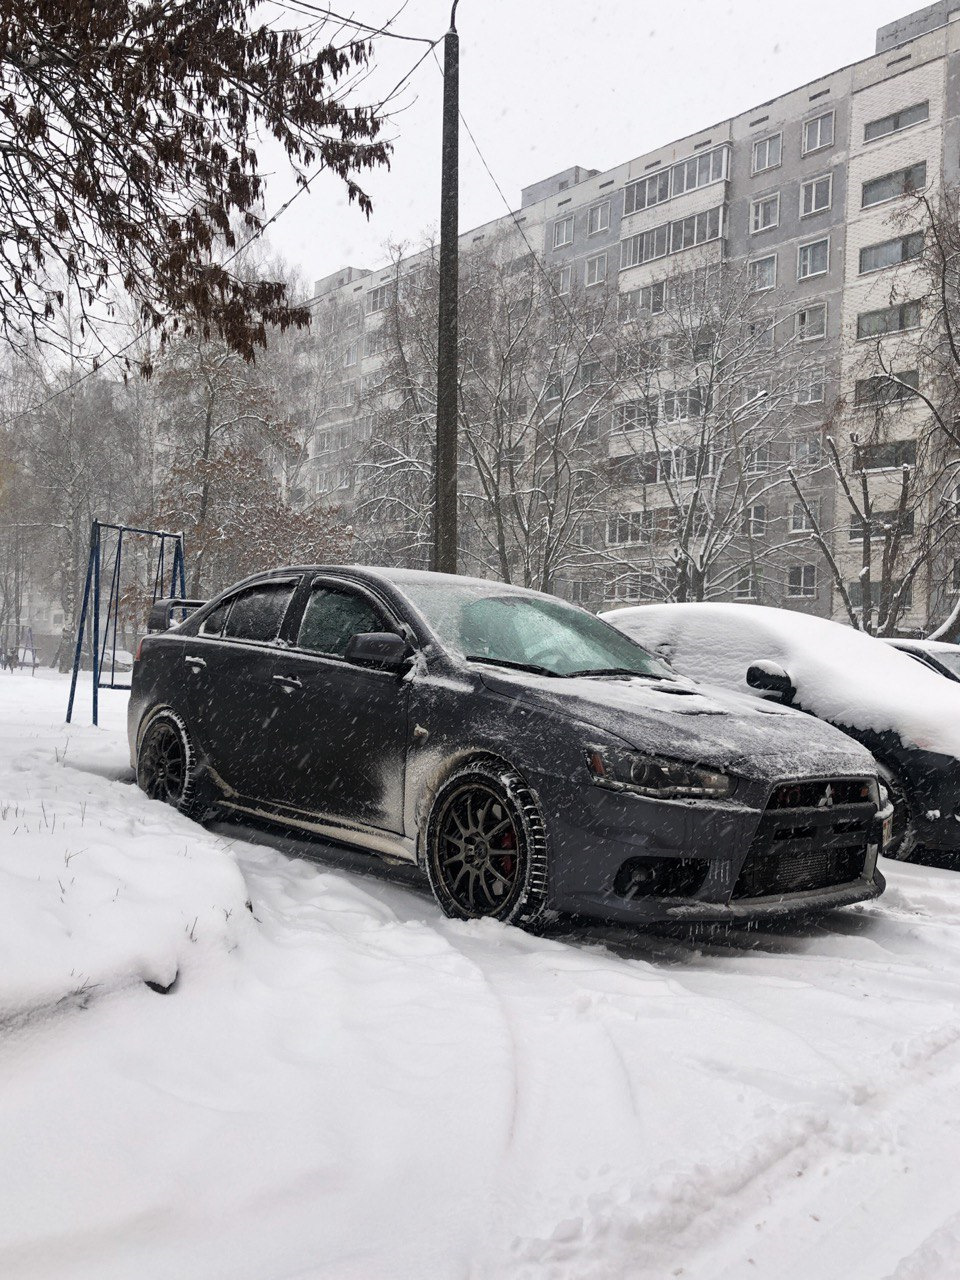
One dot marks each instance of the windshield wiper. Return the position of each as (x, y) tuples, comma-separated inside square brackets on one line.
[(515, 666), (616, 671)]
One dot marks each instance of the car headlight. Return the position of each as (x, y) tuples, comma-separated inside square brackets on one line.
[(656, 776)]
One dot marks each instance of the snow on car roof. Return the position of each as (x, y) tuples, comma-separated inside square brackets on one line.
[(926, 646), (840, 674)]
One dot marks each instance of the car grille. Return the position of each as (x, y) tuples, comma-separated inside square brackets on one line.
[(803, 846)]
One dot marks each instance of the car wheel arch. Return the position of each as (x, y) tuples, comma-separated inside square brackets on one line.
[(448, 768)]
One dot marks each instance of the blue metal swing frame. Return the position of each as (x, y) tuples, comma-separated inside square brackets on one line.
[(169, 552)]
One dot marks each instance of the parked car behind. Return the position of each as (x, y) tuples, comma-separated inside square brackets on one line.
[(935, 654), (907, 715), (530, 757)]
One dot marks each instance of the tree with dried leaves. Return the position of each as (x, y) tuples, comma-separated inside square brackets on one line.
[(126, 158)]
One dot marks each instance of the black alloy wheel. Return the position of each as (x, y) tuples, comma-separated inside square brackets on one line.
[(165, 765), (486, 847)]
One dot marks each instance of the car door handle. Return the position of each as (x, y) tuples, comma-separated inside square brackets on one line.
[(192, 661), (289, 682)]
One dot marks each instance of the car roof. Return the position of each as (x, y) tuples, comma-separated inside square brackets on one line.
[(397, 577), (921, 646)]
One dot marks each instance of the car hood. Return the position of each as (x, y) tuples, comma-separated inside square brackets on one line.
[(687, 721)]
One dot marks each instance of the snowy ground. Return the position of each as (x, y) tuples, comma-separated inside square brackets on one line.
[(341, 1084)]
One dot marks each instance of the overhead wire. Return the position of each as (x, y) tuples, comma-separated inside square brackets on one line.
[(588, 337)]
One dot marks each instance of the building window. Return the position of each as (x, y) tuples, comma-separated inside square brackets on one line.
[(890, 253), (680, 406), (377, 341), (563, 232), (352, 354), (880, 524), (889, 456), (892, 185), (802, 581), (758, 460), (564, 279), (760, 334), (811, 322), (590, 431), (647, 192), (554, 387), (818, 133), (810, 384), (380, 298), (896, 121), (806, 453), (816, 195), (596, 271), (763, 273), (872, 324), (881, 390), (764, 213), (670, 237), (747, 586), (632, 415), (800, 520), (598, 218), (686, 175), (955, 577), (813, 259), (754, 521), (766, 152)]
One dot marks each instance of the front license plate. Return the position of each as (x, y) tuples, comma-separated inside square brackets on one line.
[(887, 831)]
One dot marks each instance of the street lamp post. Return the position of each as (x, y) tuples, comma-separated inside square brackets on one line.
[(445, 462)]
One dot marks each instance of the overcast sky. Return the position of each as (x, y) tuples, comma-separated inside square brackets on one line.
[(548, 85)]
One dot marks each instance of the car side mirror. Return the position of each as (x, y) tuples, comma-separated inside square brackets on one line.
[(383, 649), (768, 677)]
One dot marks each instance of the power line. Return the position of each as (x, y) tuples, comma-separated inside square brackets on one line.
[(307, 8), (588, 337)]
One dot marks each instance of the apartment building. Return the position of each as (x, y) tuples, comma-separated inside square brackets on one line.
[(807, 197)]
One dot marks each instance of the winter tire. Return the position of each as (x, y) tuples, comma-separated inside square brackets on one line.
[(166, 765), (486, 847)]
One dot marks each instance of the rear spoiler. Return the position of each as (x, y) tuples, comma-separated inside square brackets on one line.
[(159, 618)]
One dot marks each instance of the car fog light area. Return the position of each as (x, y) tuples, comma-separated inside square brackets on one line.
[(661, 877), (657, 776)]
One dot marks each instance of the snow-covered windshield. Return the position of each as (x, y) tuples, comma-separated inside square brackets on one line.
[(487, 624), (949, 660)]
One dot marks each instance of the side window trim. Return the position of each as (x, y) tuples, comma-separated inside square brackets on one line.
[(293, 580), (347, 585)]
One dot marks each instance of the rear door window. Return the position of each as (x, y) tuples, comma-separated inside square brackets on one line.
[(212, 624), (333, 615), (256, 614)]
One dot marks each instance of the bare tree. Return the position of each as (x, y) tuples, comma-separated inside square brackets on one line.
[(714, 397), (533, 379)]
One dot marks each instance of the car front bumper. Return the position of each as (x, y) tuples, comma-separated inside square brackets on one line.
[(596, 833)]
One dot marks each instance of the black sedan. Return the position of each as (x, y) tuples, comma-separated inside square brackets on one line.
[(532, 759)]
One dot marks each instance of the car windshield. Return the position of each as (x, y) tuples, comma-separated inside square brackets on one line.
[(484, 623), (949, 660)]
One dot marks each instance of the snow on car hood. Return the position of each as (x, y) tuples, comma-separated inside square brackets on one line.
[(840, 674), (681, 719)]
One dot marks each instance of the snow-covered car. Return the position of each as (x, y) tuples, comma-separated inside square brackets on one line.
[(906, 714), (531, 758), (935, 654)]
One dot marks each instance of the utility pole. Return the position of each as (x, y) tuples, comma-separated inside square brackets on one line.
[(445, 463)]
